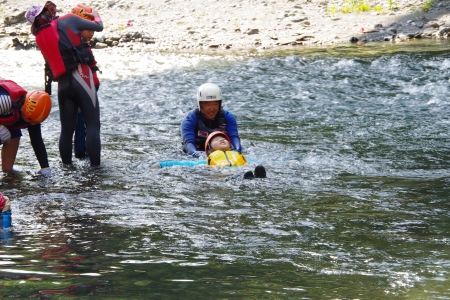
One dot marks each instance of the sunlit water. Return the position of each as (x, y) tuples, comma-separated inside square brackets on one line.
[(355, 141)]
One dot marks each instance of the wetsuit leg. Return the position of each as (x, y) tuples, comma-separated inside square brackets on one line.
[(80, 137), (86, 95), (67, 113)]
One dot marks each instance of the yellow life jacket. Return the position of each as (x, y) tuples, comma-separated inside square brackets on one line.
[(226, 158)]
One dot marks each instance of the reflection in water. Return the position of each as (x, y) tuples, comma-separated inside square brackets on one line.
[(355, 204)]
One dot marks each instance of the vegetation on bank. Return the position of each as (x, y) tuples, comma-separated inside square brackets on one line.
[(356, 6)]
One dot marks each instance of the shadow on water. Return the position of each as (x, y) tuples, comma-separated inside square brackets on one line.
[(355, 204)]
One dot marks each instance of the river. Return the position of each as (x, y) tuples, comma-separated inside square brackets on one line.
[(355, 141)]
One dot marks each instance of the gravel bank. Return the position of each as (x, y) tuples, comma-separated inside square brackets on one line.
[(191, 25)]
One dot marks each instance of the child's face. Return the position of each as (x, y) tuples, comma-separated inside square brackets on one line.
[(220, 143), (87, 35)]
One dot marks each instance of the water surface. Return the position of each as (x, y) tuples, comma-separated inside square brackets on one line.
[(355, 141)]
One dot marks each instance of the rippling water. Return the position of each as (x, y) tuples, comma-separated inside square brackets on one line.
[(355, 141)]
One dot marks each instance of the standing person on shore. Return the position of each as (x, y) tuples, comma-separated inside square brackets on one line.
[(18, 110), (207, 118), (68, 56)]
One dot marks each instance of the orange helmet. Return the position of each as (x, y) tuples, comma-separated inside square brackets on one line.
[(213, 134), (81, 10), (36, 107)]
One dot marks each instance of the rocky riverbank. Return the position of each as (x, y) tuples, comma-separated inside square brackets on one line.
[(189, 25)]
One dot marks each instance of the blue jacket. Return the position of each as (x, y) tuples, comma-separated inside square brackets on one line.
[(194, 137)]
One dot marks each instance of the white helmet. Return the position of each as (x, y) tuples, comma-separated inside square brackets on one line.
[(209, 92)]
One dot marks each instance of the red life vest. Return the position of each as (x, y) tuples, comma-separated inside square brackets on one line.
[(47, 40), (17, 95), (61, 58)]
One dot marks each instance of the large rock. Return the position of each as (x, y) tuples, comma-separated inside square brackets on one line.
[(9, 20)]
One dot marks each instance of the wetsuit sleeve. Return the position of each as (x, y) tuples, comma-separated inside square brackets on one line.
[(182, 163), (93, 66), (232, 131), (76, 23), (96, 25), (94, 70), (188, 125), (38, 145)]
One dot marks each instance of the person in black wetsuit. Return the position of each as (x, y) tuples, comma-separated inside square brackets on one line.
[(80, 130), (76, 88)]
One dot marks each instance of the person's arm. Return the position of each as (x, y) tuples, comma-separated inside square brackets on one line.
[(232, 131), (188, 125), (94, 70), (96, 16), (5, 134), (77, 24), (38, 145)]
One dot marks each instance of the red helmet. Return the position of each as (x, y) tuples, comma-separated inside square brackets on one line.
[(36, 107), (81, 10), (213, 134)]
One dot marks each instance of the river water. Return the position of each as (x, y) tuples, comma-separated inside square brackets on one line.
[(355, 142)]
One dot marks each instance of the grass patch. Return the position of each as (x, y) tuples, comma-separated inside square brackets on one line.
[(392, 4), (427, 5), (356, 6), (332, 11)]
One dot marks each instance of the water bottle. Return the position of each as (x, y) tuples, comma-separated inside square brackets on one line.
[(6, 219)]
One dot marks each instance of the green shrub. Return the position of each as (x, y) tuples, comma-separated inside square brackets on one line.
[(355, 6), (332, 11), (427, 5), (392, 4)]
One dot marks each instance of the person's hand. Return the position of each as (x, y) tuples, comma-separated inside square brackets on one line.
[(155, 166), (198, 154), (5, 135), (46, 172), (93, 13)]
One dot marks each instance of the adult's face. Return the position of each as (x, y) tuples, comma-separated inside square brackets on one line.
[(210, 109)]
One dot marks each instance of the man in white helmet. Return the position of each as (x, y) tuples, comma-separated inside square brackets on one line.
[(207, 118)]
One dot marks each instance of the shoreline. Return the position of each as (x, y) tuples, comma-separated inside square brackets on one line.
[(195, 25)]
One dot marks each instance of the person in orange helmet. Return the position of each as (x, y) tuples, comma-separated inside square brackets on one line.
[(20, 109), (67, 54), (84, 12)]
